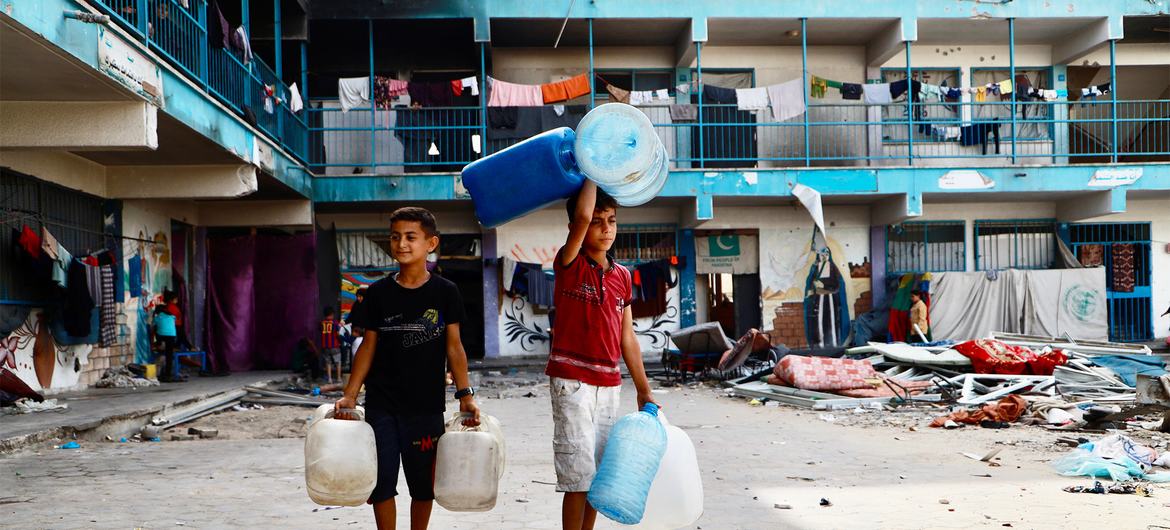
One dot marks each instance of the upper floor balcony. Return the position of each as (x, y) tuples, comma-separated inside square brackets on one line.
[(1082, 94)]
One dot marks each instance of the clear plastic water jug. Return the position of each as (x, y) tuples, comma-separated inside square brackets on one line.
[(628, 465), (524, 177), (617, 148), (468, 465), (676, 495), (341, 460)]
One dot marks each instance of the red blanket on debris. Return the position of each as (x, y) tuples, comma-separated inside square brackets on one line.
[(822, 373), (989, 356), (1008, 409)]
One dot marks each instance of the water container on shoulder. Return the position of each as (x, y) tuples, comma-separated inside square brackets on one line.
[(524, 177), (628, 465), (469, 462), (676, 495), (618, 149), (341, 460)]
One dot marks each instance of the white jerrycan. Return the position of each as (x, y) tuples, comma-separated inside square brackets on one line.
[(676, 495), (341, 460), (468, 465)]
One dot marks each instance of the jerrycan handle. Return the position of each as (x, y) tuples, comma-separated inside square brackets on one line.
[(354, 414)]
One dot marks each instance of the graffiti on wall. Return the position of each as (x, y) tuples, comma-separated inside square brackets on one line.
[(522, 327), (34, 356), (653, 332), (351, 282)]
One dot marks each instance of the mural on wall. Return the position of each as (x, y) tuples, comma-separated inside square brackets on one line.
[(148, 274), (653, 332), (544, 255), (523, 328), (350, 283), (786, 256), (31, 353)]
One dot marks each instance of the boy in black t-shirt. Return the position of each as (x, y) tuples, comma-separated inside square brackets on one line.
[(411, 321)]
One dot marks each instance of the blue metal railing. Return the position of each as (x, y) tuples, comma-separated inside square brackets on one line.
[(838, 134), (177, 30)]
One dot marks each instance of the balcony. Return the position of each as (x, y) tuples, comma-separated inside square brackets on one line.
[(404, 141), (177, 30)]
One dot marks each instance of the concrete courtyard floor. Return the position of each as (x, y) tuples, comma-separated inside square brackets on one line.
[(763, 468)]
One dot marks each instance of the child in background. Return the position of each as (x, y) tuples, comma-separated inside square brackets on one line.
[(330, 345), (165, 333), (919, 317)]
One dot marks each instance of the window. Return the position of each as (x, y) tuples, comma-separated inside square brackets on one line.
[(931, 246), (72, 217), (641, 243), (1033, 118), (938, 113), (1127, 281), (1027, 244)]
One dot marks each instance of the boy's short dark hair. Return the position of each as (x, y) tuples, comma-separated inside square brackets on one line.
[(604, 202), (422, 216), (917, 292), (328, 311)]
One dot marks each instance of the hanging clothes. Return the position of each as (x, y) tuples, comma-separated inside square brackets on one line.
[(218, 29), (569, 116), (507, 272), (877, 94), (241, 44), (979, 133), (851, 91), (897, 88), (353, 92), (470, 83), (79, 303), (505, 94), (294, 99), (619, 95), (1092, 255), (520, 279), (430, 93), (1005, 87), (1124, 273), (717, 95), (541, 287), (681, 113), (787, 99), (134, 276), (817, 87), (386, 89), (109, 307), (751, 98), (573, 87), (654, 281)]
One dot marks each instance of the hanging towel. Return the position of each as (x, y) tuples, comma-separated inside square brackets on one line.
[(430, 93), (456, 87), (641, 97), (1092, 255), (850, 91), (505, 94), (294, 99), (877, 94), (718, 95), (620, 95), (134, 276), (353, 92), (1005, 87), (980, 94), (541, 288), (684, 113), (787, 99), (240, 42), (570, 88), (472, 83), (751, 98), (662, 94), (507, 271)]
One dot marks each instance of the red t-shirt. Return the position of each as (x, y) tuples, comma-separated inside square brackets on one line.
[(587, 331)]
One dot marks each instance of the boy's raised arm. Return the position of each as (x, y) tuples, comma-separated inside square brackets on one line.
[(582, 216)]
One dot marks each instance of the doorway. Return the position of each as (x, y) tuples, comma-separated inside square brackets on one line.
[(733, 300)]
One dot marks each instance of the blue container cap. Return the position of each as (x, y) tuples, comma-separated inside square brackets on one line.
[(651, 409)]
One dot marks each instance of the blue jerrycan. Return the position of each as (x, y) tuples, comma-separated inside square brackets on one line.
[(630, 461), (524, 177)]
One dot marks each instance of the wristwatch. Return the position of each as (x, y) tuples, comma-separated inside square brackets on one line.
[(460, 394)]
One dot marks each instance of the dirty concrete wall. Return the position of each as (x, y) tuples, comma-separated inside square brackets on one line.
[(536, 238)]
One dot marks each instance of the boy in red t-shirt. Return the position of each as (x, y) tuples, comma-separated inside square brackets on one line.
[(593, 328)]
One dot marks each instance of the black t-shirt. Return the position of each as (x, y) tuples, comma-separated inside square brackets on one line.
[(408, 375)]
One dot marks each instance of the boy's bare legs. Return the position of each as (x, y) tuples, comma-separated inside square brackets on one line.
[(420, 514), (385, 514), (576, 513)]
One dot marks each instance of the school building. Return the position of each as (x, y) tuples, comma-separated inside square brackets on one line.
[(225, 148)]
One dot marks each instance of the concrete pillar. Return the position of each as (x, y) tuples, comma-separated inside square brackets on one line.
[(78, 125)]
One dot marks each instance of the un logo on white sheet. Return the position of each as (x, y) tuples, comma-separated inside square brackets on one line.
[(1081, 302)]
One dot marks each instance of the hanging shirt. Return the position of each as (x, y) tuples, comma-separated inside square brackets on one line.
[(471, 83), (353, 92), (294, 99), (505, 94), (817, 87), (751, 98), (877, 94), (787, 99)]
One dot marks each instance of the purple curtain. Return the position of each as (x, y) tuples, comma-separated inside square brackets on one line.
[(286, 296), (262, 299), (231, 305), (197, 321)]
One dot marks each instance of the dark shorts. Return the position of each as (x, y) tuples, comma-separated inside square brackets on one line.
[(411, 439)]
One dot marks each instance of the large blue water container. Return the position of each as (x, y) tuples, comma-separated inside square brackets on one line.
[(618, 148), (524, 177), (631, 459)]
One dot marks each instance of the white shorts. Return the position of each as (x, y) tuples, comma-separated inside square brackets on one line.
[(583, 415)]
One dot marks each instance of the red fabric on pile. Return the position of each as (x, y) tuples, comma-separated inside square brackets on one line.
[(989, 356), (1008, 409)]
